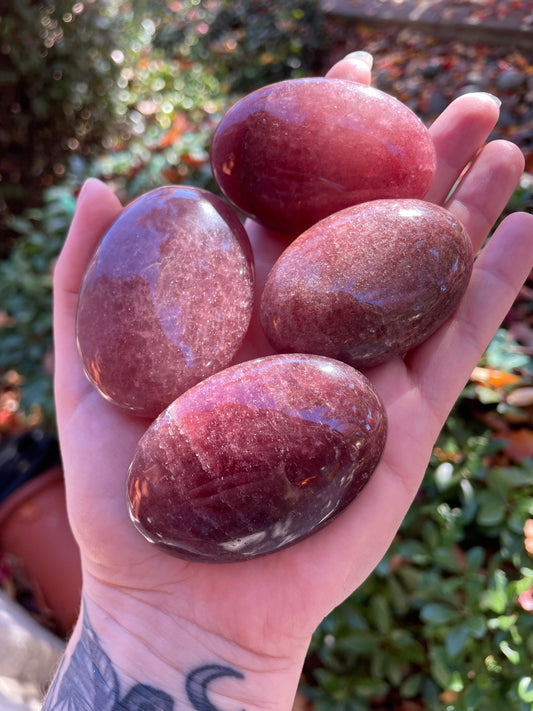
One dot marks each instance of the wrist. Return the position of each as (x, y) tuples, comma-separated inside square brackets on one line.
[(167, 663)]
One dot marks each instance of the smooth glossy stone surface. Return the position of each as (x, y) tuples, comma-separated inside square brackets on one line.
[(166, 300), (368, 283), (294, 152), (256, 458)]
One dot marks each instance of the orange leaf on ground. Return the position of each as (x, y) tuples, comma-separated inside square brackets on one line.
[(528, 533), (195, 162), (528, 528), (178, 128), (493, 378)]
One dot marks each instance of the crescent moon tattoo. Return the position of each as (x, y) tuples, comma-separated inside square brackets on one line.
[(198, 681)]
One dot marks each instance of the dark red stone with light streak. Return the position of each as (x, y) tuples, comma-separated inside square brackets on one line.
[(368, 283), (166, 300), (256, 457), (292, 153)]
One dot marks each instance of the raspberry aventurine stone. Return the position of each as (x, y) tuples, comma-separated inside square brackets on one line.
[(256, 457), (292, 153), (166, 300), (368, 283)]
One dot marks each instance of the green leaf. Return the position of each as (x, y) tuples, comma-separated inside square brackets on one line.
[(487, 396), (445, 559), (525, 689), (513, 476), (399, 599), (414, 551), (441, 671), (500, 355), (438, 614), (477, 626), (381, 613), (492, 509), (512, 654), (411, 686), (370, 688), (456, 639), (473, 694), (394, 670), (359, 642)]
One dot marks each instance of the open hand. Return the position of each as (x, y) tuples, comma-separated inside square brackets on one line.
[(262, 613)]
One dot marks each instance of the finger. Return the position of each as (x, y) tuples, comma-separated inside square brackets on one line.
[(486, 189), (267, 246), (356, 66), (443, 364), (458, 134), (97, 207)]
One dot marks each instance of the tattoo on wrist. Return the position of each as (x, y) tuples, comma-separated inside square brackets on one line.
[(199, 679), (89, 682)]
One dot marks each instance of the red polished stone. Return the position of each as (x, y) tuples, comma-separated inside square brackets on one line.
[(368, 283), (166, 300), (294, 152), (256, 458)]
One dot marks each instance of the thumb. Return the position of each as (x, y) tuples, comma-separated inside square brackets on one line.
[(97, 207)]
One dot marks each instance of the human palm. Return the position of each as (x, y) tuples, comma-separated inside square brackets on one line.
[(274, 603)]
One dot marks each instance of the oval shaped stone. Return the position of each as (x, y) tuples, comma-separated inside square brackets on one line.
[(256, 457), (368, 283), (292, 153), (166, 300)]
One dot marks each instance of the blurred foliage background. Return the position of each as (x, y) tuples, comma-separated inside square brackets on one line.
[(108, 79), (130, 92)]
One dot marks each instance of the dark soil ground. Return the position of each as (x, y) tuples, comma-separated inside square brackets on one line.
[(427, 71)]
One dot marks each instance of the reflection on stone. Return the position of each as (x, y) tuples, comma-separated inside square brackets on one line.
[(292, 153), (368, 283), (236, 467), (166, 300)]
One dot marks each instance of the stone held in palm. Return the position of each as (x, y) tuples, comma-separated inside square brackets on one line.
[(256, 458), (368, 283), (291, 153), (166, 300)]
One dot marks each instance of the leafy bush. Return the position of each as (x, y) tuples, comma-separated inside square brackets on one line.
[(440, 619), (249, 43), (86, 78), (203, 56), (61, 94), (26, 313)]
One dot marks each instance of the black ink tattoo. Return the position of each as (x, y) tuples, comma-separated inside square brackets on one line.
[(89, 683), (198, 680)]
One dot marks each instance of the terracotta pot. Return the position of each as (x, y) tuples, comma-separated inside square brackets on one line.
[(34, 528)]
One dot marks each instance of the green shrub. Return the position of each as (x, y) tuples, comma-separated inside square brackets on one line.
[(85, 79), (249, 43), (439, 620), (61, 95), (26, 278)]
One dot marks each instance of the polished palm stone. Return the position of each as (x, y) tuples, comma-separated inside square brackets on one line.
[(292, 153), (166, 300), (368, 283), (256, 457)]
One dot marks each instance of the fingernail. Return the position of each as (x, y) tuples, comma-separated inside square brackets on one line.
[(362, 56), (87, 187), (496, 100)]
